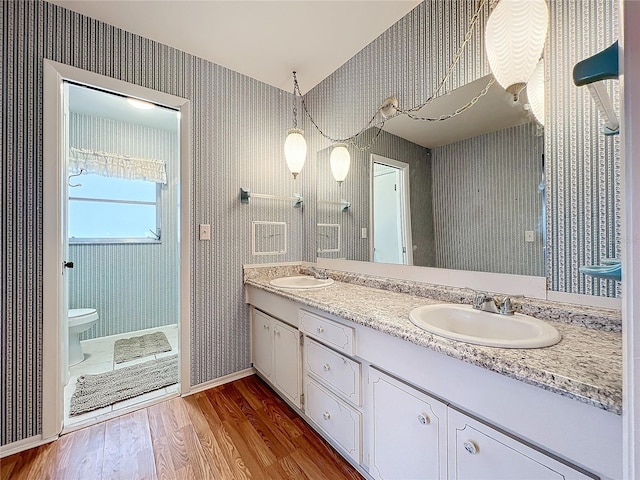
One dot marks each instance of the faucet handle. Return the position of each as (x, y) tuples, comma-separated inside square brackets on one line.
[(506, 308), (479, 300)]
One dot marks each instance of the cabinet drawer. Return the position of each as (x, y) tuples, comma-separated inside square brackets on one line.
[(336, 371), (329, 332), (337, 419)]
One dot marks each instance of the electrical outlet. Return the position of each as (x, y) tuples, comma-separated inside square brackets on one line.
[(529, 236), (205, 231)]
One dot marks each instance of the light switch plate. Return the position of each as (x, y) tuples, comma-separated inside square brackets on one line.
[(529, 236), (205, 231), (363, 233)]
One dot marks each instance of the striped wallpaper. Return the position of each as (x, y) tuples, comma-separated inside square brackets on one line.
[(582, 166), (239, 126), (132, 286), (486, 196)]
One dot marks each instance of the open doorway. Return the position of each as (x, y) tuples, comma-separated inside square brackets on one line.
[(390, 212), (116, 198)]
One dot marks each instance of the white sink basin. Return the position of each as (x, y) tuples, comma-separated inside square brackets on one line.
[(300, 282), (466, 324)]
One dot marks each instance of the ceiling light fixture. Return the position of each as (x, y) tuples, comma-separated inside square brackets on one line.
[(141, 104), (295, 146), (514, 39)]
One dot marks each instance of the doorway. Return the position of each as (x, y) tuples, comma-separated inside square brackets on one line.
[(390, 212), (119, 205)]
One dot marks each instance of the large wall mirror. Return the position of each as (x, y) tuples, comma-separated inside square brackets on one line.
[(465, 193), (489, 190)]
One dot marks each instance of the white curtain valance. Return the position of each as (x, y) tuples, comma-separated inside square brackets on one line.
[(117, 166)]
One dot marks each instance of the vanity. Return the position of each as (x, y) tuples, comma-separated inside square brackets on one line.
[(399, 402)]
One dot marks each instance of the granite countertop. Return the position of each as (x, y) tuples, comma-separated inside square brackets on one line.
[(586, 365)]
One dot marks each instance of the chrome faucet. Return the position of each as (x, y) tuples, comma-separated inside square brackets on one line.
[(319, 273), (487, 303)]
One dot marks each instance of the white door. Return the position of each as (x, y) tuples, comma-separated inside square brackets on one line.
[(478, 452), (409, 431), (262, 336), (286, 360), (64, 240), (390, 212)]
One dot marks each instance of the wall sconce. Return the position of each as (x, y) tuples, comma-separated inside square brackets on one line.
[(340, 161), (295, 146), (514, 39), (535, 92)]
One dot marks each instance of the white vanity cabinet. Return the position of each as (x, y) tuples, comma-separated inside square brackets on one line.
[(408, 431), (479, 452), (276, 354)]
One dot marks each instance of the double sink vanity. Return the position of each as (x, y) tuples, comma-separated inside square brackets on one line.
[(407, 380)]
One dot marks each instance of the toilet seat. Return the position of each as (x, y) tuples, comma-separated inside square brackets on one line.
[(79, 316)]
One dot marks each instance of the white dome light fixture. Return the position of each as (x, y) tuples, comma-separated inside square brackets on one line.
[(514, 39), (295, 146), (535, 92), (340, 161), (295, 150)]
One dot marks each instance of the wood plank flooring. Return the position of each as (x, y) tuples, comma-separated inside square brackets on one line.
[(240, 430)]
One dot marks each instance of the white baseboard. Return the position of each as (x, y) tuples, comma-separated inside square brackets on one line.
[(216, 382), (25, 444)]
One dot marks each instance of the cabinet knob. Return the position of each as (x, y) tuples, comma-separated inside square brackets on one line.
[(320, 329), (265, 327), (471, 447), (326, 415), (276, 331), (424, 419), (326, 367)]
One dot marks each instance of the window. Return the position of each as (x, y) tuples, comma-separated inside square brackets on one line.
[(113, 210)]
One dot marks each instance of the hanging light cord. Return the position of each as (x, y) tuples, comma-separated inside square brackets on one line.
[(352, 140)]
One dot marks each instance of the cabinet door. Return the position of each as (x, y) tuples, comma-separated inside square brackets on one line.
[(408, 430), (286, 360), (262, 336), (479, 452)]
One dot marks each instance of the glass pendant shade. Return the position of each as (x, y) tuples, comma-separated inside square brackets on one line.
[(514, 39), (535, 92), (295, 150), (340, 161)]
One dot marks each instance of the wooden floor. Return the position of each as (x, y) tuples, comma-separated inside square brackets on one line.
[(239, 430)]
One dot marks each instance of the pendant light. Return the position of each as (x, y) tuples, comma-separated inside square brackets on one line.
[(535, 92), (295, 146), (514, 39), (340, 161)]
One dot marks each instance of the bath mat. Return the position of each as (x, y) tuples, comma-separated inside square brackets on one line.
[(135, 347), (97, 391)]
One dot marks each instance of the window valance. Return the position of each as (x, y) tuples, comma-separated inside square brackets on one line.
[(116, 166)]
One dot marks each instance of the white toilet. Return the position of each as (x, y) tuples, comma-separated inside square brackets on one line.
[(80, 320)]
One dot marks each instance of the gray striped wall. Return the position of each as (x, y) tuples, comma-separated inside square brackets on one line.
[(582, 166), (485, 196), (239, 125), (132, 286)]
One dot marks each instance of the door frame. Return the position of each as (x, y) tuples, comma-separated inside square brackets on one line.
[(53, 169), (406, 204)]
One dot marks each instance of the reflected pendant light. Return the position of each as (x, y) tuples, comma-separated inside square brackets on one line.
[(514, 39), (340, 161), (295, 146), (295, 150), (535, 92)]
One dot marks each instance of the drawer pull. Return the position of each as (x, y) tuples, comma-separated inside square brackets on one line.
[(320, 329), (326, 367), (423, 419), (471, 447), (326, 415)]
